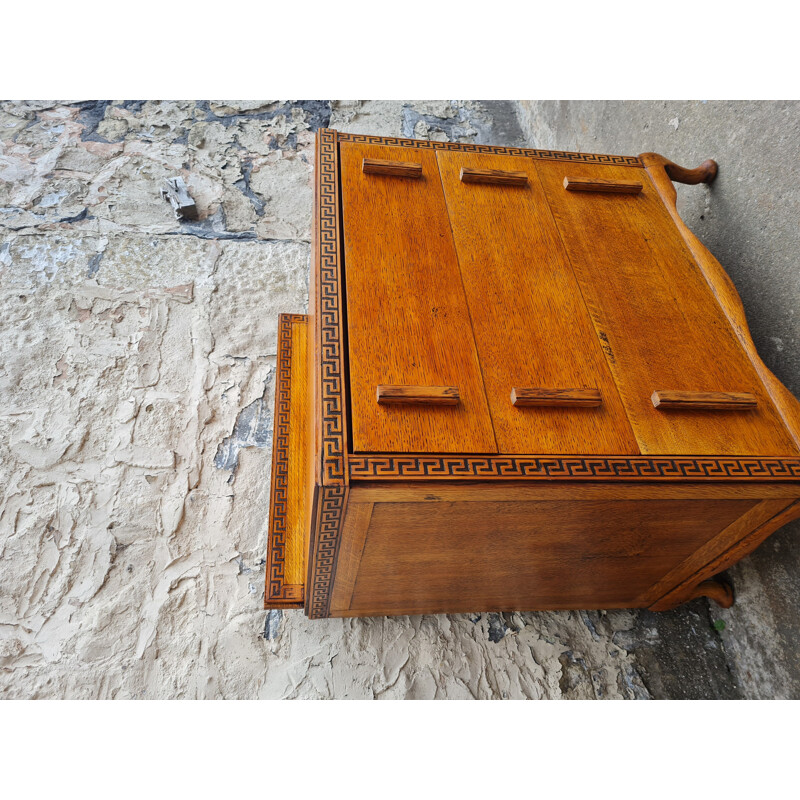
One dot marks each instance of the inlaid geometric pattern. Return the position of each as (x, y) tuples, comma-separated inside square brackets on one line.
[(329, 282), (551, 155), (405, 467), (326, 550), (279, 593)]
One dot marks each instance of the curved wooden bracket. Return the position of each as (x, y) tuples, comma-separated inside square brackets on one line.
[(705, 173), (717, 589)]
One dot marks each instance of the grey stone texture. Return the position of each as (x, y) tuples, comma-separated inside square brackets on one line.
[(137, 358)]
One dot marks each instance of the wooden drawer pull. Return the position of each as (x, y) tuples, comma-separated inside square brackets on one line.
[(701, 401), (575, 398), (601, 185), (418, 395), (399, 169), (498, 176)]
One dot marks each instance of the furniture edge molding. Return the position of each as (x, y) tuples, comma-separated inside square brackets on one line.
[(550, 155), (662, 172), (407, 466), (329, 307), (279, 594), (324, 551)]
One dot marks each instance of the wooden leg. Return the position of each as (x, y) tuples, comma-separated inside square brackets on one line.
[(705, 173), (717, 589)]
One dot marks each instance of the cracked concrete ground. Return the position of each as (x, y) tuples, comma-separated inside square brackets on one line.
[(137, 365)]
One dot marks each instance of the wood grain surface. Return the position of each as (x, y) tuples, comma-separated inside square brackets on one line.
[(499, 177), (659, 169), (724, 551), (418, 395), (659, 323), (408, 320), (561, 398), (688, 401), (291, 457), (531, 325), (601, 185), (397, 169), (449, 557)]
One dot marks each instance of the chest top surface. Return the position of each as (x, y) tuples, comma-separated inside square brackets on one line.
[(501, 312)]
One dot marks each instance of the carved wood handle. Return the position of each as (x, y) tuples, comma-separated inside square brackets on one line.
[(498, 176), (601, 185), (399, 169), (576, 398), (418, 395), (703, 401)]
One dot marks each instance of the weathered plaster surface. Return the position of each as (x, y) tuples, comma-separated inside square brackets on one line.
[(137, 357)]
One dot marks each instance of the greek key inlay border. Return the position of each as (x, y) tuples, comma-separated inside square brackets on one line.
[(278, 592), (326, 550), (550, 155), (330, 313), (459, 467)]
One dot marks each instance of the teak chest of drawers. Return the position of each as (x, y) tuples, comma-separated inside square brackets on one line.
[(522, 384)]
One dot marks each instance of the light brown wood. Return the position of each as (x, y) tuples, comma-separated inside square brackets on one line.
[(418, 395), (724, 553), (601, 185), (408, 320), (289, 521), (466, 491), (685, 572), (721, 285), (530, 322), (397, 169), (485, 288), (556, 398), (354, 534), (422, 558), (657, 320), (689, 401), (499, 177), (721, 592)]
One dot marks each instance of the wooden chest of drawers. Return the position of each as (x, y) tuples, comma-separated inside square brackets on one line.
[(522, 384)]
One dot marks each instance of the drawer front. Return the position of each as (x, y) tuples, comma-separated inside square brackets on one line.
[(415, 380), (547, 382), (662, 330)]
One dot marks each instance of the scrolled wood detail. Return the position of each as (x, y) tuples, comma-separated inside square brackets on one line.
[(721, 286), (716, 589)]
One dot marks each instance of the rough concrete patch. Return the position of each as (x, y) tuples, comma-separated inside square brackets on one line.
[(253, 428)]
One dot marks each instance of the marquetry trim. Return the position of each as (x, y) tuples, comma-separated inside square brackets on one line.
[(463, 467), (331, 352), (550, 155), (325, 554), (279, 593)]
